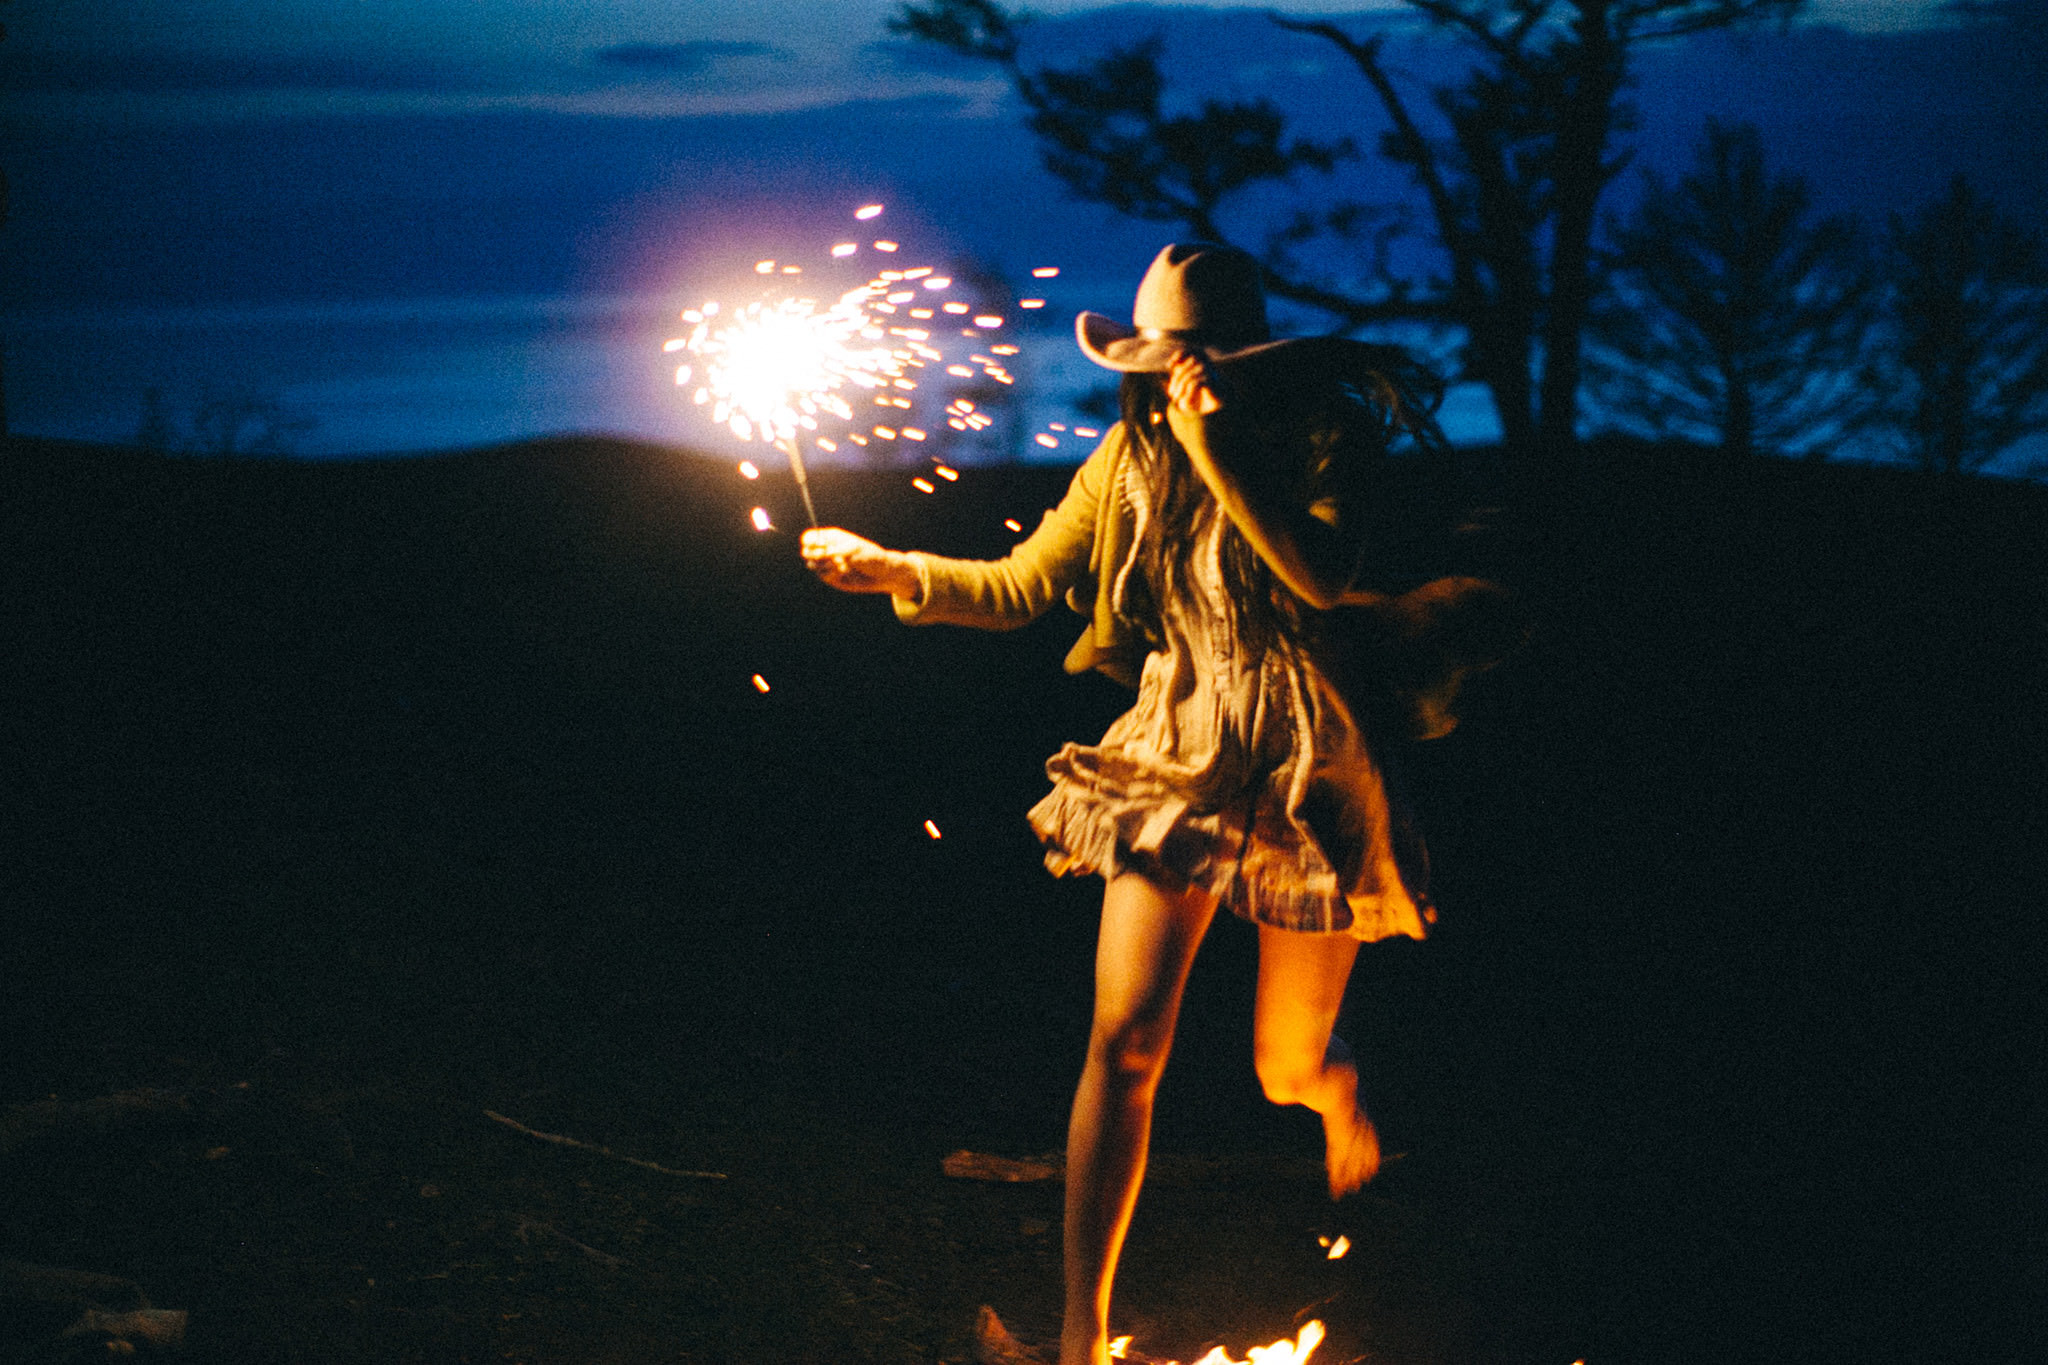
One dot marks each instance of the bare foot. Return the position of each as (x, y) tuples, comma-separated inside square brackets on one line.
[(1351, 1152)]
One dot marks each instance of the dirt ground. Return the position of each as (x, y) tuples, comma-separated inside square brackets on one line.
[(351, 805)]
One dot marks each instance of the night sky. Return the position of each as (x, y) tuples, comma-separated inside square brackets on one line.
[(445, 223)]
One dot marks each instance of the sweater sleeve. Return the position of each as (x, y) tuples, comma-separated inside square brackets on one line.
[(1002, 594)]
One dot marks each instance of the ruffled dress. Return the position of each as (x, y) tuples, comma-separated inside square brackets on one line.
[(1241, 772)]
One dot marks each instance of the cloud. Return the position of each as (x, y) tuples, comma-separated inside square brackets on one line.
[(680, 59), (172, 72)]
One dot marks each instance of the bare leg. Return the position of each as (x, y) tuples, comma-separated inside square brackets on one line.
[(1300, 1061), (1142, 955)]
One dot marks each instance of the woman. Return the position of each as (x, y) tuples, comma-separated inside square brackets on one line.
[(1212, 539)]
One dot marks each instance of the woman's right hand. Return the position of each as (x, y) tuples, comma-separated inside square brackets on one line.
[(851, 563)]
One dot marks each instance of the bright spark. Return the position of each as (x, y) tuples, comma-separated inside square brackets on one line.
[(760, 683), (924, 485), (931, 829), (867, 211), (1045, 272), (749, 470), (760, 518), (1013, 523)]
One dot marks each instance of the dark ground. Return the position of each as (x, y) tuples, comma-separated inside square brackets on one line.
[(343, 803)]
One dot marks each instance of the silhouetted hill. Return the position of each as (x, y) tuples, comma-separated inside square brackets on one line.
[(454, 767)]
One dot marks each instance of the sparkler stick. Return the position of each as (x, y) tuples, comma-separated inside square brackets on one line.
[(795, 452)]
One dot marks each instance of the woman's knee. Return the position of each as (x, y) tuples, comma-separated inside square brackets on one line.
[(1287, 1072), (1132, 1051)]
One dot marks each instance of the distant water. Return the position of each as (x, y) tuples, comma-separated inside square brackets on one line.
[(431, 374), (417, 375)]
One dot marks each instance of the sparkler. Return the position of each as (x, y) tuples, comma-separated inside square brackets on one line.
[(779, 368)]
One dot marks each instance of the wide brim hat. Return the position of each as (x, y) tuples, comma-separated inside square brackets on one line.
[(1196, 296)]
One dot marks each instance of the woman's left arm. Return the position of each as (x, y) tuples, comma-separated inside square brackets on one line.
[(1316, 561)]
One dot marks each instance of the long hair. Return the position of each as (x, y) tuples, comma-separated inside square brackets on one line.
[(1387, 397)]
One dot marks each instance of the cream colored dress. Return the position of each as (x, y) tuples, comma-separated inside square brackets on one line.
[(1241, 772)]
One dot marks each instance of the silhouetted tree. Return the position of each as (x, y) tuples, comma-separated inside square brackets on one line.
[(154, 431), (1968, 331), (1512, 178), (1729, 318)]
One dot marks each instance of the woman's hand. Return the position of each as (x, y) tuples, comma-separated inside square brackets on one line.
[(1190, 386), (852, 564)]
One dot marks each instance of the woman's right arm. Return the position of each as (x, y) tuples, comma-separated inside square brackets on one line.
[(994, 594)]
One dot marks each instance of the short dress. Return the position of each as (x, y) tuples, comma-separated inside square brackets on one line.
[(1241, 772)]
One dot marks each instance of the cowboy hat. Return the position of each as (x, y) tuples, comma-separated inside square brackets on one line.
[(1196, 296)]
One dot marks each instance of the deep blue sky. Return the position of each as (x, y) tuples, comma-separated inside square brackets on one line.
[(451, 220)]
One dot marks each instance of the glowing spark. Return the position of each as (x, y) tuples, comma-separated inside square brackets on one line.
[(956, 308), (761, 522), (924, 485), (675, 343), (931, 829), (760, 683), (1049, 442), (938, 282), (1031, 303), (947, 472), (792, 270), (1089, 432), (1118, 1346), (920, 312), (1056, 426), (1045, 272), (764, 267), (749, 470), (886, 433), (845, 249), (912, 434), (886, 245), (867, 211), (960, 371), (988, 320), (1339, 1247), (1013, 523), (918, 273), (1004, 350), (824, 444), (775, 367)]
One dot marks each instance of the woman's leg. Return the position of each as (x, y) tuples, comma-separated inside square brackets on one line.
[(1299, 1059), (1142, 955)]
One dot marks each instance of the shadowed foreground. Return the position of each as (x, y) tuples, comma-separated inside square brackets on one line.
[(347, 802)]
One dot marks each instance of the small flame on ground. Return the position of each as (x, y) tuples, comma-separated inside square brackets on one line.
[(931, 829), (760, 683), (760, 518), (867, 211), (1281, 1352)]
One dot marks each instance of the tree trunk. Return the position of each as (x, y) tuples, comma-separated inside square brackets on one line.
[(1581, 176)]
